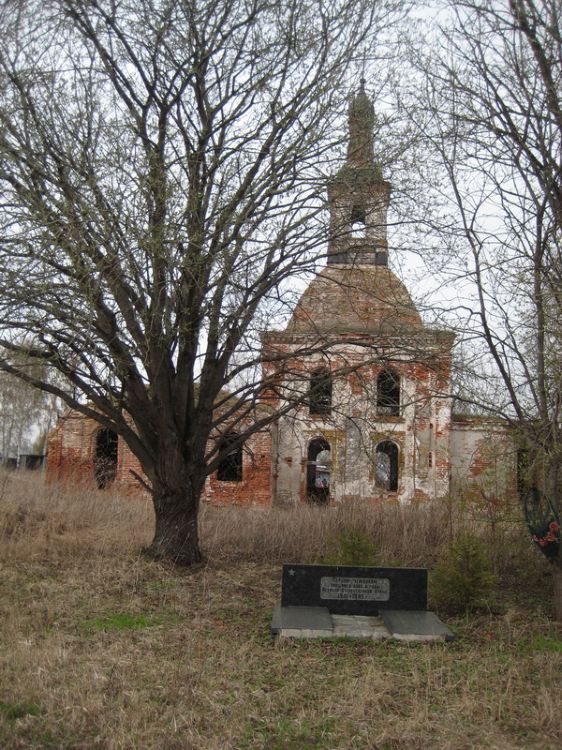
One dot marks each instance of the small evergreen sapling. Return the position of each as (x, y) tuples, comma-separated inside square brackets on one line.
[(463, 577)]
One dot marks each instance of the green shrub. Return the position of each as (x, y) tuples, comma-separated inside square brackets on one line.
[(463, 578), (351, 547), (14, 711)]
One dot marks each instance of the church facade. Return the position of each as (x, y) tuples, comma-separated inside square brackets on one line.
[(371, 384)]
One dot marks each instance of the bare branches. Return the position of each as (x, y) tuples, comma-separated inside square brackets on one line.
[(493, 104), (161, 172)]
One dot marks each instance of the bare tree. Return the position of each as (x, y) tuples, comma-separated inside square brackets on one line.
[(492, 112), (161, 173)]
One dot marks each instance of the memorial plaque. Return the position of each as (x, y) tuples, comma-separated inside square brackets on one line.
[(326, 601), (354, 590)]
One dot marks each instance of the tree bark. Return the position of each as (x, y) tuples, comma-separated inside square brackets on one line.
[(176, 535)]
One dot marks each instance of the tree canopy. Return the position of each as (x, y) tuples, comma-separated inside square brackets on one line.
[(161, 167)]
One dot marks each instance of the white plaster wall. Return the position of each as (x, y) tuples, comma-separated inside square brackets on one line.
[(353, 430)]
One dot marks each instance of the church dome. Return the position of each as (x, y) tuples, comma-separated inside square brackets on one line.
[(355, 299)]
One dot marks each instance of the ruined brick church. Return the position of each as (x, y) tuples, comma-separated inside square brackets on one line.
[(375, 420)]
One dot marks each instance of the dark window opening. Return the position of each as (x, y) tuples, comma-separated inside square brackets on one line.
[(386, 466), (318, 471), (320, 398), (105, 458), (230, 465), (388, 394), (524, 480), (358, 221)]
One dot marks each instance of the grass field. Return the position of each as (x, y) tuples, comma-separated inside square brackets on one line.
[(102, 648)]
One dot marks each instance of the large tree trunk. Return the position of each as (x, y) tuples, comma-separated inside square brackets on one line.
[(177, 483), (176, 535)]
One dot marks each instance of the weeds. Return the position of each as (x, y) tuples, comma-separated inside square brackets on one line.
[(13, 711), (50, 521), (84, 665)]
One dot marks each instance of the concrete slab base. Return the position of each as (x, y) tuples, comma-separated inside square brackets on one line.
[(317, 622), (415, 626), (302, 622), (359, 626)]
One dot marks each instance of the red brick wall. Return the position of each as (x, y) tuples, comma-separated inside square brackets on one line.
[(70, 450), (70, 458), (255, 487)]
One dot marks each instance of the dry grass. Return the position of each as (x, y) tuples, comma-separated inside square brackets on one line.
[(47, 520), (44, 520), (103, 648), (407, 534)]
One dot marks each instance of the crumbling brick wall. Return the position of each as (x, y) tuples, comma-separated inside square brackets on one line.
[(71, 450)]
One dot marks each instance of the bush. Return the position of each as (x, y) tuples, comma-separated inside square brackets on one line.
[(463, 578), (351, 547)]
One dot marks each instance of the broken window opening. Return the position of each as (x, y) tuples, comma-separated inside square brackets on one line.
[(358, 221), (105, 457), (318, 471), (320, 396), (388, 393), (230, 466), (386, 466)]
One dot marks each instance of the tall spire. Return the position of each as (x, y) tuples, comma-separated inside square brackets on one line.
[(361, 118), (358, 195)]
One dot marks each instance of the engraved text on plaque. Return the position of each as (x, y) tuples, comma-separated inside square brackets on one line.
[(356, 589)]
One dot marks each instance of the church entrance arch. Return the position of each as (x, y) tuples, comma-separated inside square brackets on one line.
[(318, 471), (386, 466)]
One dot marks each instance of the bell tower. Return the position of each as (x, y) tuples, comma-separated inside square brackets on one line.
[(358, 196)]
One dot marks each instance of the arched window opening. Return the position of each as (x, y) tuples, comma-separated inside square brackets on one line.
[(386, 466), (105, 457), (230, 465), (320, 397), (358, 221), (388, 394), (318, 471)]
